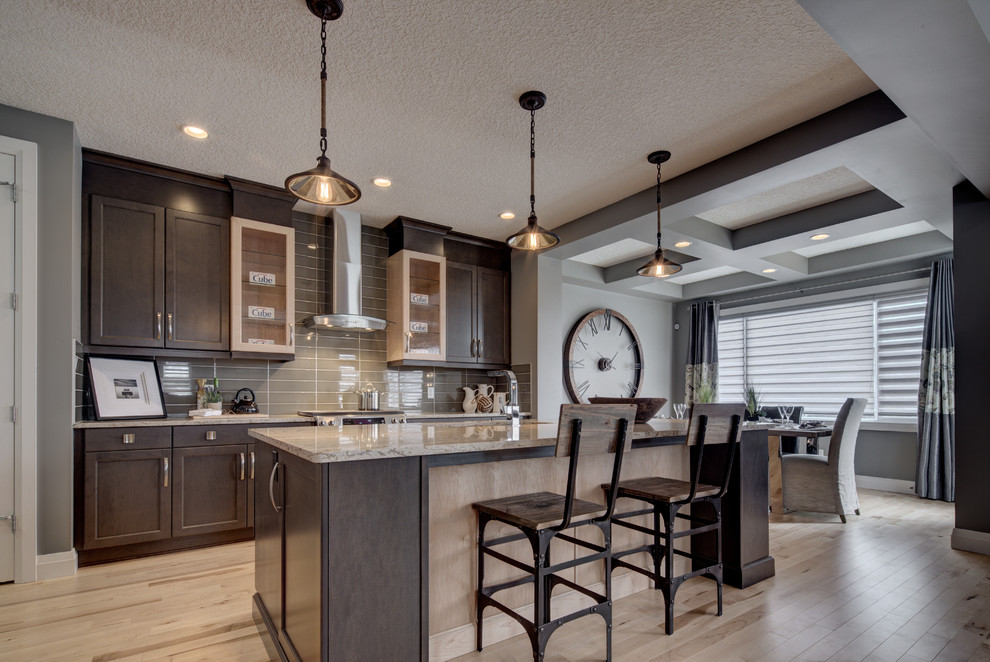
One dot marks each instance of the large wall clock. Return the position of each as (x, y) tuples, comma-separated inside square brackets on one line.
[(603, 357)]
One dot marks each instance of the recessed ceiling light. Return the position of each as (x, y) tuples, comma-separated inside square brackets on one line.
[(683, 244), (819, 237), (769, 271), (507, 215), (195, 131), (382, 182)]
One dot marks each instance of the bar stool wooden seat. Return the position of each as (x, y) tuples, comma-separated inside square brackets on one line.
[(544, 516), (711, 423)]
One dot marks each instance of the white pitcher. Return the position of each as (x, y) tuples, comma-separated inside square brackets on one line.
[(486, 389), (470, 403)]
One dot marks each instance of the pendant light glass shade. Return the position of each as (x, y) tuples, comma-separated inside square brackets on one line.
[(659, 266), (532, 237), (322, 186)]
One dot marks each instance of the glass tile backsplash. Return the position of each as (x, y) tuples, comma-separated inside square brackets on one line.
[(329, 365)]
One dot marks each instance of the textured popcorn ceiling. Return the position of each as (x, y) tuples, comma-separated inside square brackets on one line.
[(426, 92), (825, 187), (836, 244), (615, 253)]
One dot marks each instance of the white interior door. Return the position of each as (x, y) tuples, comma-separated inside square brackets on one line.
[(7, 242)]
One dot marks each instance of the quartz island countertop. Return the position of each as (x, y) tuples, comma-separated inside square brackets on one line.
[(367, 442)]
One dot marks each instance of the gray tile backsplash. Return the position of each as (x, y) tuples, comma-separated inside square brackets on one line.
[(329, 365)]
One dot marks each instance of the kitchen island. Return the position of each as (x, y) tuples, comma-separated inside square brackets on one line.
[(365, 536)]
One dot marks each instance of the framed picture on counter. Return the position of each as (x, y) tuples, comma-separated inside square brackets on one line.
[(125, 388)]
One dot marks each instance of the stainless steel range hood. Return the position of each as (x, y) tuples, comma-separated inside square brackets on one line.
[(345, 297)]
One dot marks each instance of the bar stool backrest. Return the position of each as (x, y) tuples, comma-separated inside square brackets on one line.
[(599, 427), (715, 424), (593, 429)]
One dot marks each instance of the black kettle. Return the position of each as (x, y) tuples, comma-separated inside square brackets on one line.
[(244, 405)]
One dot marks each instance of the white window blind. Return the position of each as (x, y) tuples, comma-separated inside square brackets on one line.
[(819, 355)]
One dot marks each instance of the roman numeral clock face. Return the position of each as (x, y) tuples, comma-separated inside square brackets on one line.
[(603, 358)]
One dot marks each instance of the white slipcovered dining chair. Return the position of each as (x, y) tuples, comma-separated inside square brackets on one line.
[(827, 484)]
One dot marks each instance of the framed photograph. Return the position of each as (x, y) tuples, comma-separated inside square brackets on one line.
[(125, 388)]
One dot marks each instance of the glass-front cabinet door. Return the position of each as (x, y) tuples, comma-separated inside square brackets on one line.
[(262, 288), (417, 303)]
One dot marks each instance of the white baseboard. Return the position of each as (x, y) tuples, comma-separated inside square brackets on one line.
[(971, 541), (461, 640), (885, 484), (59, 564)]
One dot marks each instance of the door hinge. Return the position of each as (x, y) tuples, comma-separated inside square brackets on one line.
[(13, 190), (13, 300), (13, 522)]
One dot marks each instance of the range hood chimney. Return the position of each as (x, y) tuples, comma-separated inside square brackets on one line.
[(345, 296)]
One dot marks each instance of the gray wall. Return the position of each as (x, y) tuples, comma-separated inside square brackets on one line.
[(971, 227), (886, 454), (651, 320), (59, 184)]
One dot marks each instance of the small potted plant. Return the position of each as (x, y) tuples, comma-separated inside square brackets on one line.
[(705, 391), (212, 398), (753, 396)]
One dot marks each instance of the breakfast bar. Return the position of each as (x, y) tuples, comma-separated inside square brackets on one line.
[(365, 536)]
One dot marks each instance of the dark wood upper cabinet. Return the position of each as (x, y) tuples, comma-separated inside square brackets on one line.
[(158, 278), (197, 281), (477, 314), (462, 331), (127, 273)]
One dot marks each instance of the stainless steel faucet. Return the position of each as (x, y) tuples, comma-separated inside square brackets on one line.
[(512, 407)]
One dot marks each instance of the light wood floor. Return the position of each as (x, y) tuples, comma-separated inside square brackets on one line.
[(885, 586)]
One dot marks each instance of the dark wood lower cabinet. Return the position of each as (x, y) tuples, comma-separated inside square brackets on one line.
[(335, 578), (127, 497), (165, 489), (209, 489)]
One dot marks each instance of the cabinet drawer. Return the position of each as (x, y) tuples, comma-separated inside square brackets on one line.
[(124, 439), (209, 435), (220, 435)]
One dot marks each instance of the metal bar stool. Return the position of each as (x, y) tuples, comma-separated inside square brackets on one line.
[(716, 423), (543, 517)]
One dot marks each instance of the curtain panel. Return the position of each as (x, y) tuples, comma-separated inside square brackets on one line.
[(936, 470), (701, 373)]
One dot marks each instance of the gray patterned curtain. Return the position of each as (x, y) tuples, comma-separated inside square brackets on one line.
[(936, 474), (701, 374)]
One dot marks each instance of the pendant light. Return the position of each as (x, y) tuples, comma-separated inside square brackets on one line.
[(659, 266), (532, 237), (321, 185)]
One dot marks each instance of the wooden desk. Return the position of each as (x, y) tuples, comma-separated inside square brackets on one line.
[(773, 452)]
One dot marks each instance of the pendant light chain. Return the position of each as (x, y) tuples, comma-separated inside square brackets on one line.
[(658, 204), (532, 163), (323, 87)]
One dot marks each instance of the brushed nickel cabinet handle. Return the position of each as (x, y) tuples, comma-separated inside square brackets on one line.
[(481, 347), (211, 435), (271, 488), (474, 341), (408, 341), (292, 334), (171, 327), (252, 465), (165, 471), (158, 326), (243, 465), (129, 438)]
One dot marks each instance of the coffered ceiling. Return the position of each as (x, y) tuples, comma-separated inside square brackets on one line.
[(426, 93)]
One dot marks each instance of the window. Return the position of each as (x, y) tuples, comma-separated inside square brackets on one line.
[(819, 355)]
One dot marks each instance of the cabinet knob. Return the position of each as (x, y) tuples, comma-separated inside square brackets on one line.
[(129, 438), (211, 435)]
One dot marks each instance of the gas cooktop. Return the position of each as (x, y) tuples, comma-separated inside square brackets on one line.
[(355, 417)]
